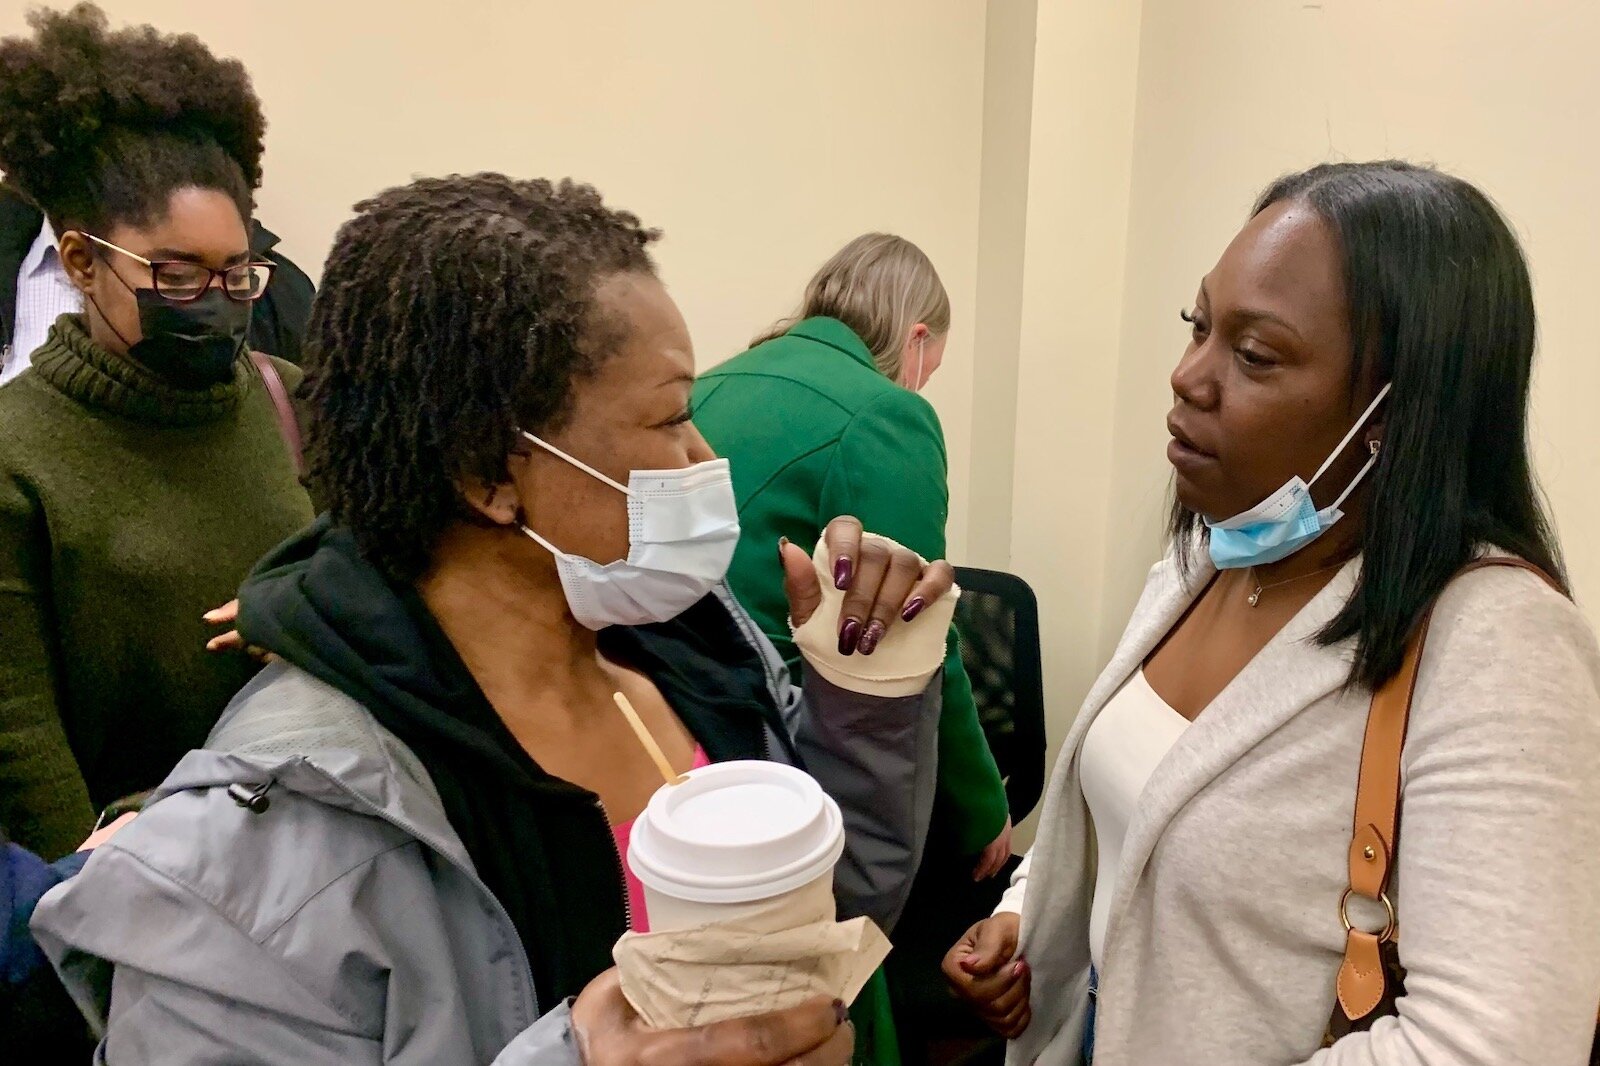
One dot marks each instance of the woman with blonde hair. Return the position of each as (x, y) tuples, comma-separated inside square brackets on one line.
[(855, 438)]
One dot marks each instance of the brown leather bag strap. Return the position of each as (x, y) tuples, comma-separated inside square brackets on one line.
[(1377, 816), (288, 425)]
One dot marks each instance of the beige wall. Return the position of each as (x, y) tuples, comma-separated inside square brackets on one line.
[(1008, 85), (759, 136), (1085, 63)]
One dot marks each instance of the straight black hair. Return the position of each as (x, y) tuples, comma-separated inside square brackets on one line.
[(1440, 300)]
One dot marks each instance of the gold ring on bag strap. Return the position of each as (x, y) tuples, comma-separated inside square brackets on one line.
[(1388, 905)]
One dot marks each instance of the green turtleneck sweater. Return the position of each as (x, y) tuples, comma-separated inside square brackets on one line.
[(128, 509)]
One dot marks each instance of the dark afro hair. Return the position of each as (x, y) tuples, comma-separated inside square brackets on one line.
[(453, 312), (100, 127)]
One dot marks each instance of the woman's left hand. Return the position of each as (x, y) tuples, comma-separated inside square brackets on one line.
[(882, 584)]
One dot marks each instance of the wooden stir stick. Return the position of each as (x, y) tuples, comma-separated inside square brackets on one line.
[(668, 774)]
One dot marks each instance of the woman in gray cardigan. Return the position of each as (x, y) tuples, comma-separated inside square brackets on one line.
[(1349, 431)]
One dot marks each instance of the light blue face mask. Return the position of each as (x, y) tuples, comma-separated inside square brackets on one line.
[(1287, 520)]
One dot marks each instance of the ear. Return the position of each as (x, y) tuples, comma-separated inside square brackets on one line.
[(497, 504), (78, 259), (920, 334)]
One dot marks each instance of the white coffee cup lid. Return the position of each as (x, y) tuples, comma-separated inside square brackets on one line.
[(733, 832)]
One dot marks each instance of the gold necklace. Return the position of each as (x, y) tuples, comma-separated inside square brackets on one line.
[(1255, 597)]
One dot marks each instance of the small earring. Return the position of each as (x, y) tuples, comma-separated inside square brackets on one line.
[(1374, 445)]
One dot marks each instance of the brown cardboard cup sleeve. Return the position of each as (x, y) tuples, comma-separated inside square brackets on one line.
[(698, 976), (904, 660)]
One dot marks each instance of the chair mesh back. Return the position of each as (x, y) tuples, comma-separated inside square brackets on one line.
[(998, 621), (988, 628)]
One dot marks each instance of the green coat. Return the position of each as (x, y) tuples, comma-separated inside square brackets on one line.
[(813, 430)]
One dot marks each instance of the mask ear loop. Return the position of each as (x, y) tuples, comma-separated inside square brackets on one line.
[(1373, 446), (580, 464), (94, 303), (1360, 424), (528, 532)]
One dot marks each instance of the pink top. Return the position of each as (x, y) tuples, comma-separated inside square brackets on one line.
[(622, 831)]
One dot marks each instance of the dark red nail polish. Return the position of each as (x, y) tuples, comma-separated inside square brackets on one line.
[(841, 1013), (849, 636), (869, 639), (842, 572), (913, 609)]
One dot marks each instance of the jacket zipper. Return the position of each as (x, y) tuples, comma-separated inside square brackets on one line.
[(622, 869), (753, 637)]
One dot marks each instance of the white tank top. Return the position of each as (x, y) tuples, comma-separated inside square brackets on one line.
[(1121, 750)]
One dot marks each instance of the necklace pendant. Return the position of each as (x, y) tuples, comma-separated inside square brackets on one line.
[(1255, 597)]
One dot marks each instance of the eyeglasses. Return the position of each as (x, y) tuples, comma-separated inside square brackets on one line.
[(180, 281)]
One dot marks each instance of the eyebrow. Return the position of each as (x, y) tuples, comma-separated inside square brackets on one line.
[(1249, 314), (1254, 314), (159, 255)]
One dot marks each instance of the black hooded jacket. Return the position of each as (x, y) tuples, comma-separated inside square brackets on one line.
[(542, 845)]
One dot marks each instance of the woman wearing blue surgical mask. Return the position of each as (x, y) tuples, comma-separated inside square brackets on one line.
[(1349, 435), (404, 842)]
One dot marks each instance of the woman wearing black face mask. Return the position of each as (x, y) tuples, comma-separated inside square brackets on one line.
[(142, 469)]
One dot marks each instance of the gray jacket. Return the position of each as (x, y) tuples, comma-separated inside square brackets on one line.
[(344, 922)]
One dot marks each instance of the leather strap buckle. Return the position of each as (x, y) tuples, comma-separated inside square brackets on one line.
[(1388, 906)]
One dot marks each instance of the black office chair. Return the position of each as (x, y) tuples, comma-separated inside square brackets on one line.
[(998, 620)]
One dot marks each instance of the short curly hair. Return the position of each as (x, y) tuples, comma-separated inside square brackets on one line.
[(99, 127), (453, 312)]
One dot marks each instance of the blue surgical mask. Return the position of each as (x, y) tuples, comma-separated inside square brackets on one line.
[(1288, 520), (683, 526)]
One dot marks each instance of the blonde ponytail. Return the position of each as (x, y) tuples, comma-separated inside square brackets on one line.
[(880, 286)]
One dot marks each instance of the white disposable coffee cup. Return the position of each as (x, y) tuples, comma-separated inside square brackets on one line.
[(749, 841)]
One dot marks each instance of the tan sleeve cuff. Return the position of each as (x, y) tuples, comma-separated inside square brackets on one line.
[(904, 661)]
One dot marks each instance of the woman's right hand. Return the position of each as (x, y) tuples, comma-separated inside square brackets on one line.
[(228, 615), (983, 969), (610, 1033)]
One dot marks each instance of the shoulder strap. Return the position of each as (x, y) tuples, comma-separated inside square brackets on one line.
[(1377, 816), (288, 425)]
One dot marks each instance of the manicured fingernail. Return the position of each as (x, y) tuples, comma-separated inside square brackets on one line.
[(913, 609), (1018, 969), (869, 639), (841, 1013), (842, 571), (849, 636), (783, 542)]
